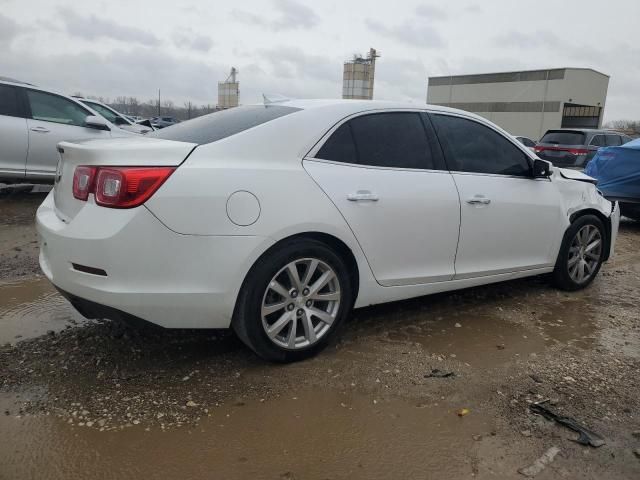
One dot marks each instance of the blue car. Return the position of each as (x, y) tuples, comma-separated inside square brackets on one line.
[(617, 170)]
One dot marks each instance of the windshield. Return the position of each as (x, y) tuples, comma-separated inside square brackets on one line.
[(563, 137), (104, 111), (222, 124)]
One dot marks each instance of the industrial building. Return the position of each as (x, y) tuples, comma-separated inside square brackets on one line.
[(229, 91), (529, 102), (358, 76)]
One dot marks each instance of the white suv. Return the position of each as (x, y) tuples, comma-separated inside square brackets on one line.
[(33, 121)]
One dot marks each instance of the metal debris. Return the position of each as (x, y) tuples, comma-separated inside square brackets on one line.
[(587, 437)]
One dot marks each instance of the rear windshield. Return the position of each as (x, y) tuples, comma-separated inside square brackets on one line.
[(563, 137), (223, 124)]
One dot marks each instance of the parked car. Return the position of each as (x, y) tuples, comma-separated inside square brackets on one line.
[(32, 121), (275, 220), (617, 170), (161, 122), (574, 148), (527, 142), (115, 117)]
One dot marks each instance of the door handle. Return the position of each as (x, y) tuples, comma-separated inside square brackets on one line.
[(478, 200), (363, 196), (40, 129)]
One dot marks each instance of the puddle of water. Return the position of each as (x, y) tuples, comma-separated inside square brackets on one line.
[(485, 332), (482, 339), (570, 322), (314, 434), (30, 308)]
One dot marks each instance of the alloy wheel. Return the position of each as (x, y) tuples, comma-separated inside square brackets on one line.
[(584, 253), (300, 303)]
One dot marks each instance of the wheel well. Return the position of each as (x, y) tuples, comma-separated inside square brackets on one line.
[(606, 221), (334, 243)]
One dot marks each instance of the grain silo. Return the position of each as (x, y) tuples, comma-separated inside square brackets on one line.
[(358, 76), (229, 91)]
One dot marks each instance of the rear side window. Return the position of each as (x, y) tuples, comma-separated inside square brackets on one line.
[(563, 137), (394, 139), (216, 126), (53, 108), (340, 146), (9, 101), (473, 147), (598, 141), (613, 140)]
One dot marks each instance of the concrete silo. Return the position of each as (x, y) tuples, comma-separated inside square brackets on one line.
[(358, 76), (229, 91)]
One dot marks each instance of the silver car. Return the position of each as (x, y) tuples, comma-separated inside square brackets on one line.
[(32, 122), (114, 116)]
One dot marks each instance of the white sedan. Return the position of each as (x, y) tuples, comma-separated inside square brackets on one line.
[(277, 219)]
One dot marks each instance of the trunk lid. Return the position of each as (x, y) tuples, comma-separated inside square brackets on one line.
[(128, 151)]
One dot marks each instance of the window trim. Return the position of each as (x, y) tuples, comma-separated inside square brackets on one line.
[(30, 113), (436, 150), (525, 151)]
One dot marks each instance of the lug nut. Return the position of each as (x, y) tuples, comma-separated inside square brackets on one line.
[(290, 307), (305, 292), (309, 303), (300, 312), (294, 293)]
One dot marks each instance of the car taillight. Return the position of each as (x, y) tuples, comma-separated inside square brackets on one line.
[(123, 187), (572, 151), (83, 182), (577, 151)]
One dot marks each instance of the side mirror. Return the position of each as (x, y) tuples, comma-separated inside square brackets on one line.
[(541, 168), (99, 123)]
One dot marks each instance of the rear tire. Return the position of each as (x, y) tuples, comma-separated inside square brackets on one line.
[(581, 254), (293, 301)]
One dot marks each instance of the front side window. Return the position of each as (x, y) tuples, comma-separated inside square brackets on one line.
[(394, 139), (473, 147), (9, 101), (53, 108)]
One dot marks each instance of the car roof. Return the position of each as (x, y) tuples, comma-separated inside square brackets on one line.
[(349, 107), (583, 130), (14, 81)]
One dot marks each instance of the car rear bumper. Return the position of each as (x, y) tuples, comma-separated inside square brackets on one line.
[(129, 261)]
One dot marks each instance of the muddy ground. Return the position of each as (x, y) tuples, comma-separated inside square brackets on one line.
[(97, 400)]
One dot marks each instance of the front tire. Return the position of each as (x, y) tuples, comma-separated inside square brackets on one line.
[(581, 254), (293, 301)]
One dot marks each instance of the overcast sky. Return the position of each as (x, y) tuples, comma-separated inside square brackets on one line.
[(297, 47)]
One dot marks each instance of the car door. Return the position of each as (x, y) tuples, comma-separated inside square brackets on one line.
[(14, 140), (509, 220), (53, 119), (385, 174)]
